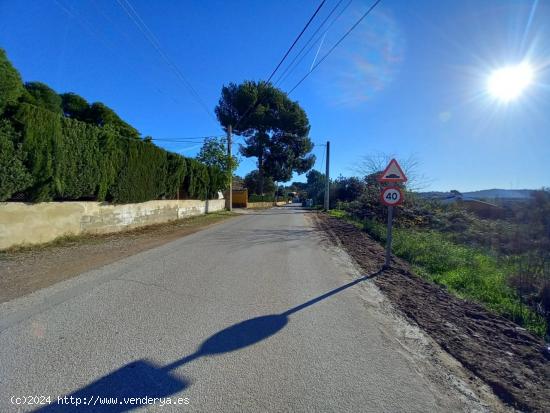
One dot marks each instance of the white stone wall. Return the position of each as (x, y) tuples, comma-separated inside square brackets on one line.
[(22, 223)]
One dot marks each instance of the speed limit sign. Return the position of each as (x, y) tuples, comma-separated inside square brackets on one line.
[(391, 196)]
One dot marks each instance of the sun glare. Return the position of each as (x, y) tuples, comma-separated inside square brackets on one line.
[(509, 82)]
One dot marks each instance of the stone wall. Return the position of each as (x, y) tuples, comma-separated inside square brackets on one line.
[(22, 224), (253, 205)]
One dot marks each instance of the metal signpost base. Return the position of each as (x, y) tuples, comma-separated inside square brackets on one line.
[(389, 237)]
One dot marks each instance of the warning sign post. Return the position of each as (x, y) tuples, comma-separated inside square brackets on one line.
[(392, 173), (391, 196)]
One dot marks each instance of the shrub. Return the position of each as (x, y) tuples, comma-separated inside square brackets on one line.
[(261, 198), (466, 271), (69, 159), (42, 141), (175, 174), (79, 166), (14, 177), (197, 180), (74, 106), (60, 147), (44, 96), (11, 86), (143, 176)]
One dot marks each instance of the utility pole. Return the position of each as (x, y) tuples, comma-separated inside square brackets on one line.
[(327, 178), (230, 166)]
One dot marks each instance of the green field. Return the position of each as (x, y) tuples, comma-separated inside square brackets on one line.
[(465, 271)]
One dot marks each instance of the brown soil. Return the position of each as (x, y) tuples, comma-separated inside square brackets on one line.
[(512, 361), (28, 269)]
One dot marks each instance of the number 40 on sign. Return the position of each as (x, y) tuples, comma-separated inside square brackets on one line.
[(391, 196)]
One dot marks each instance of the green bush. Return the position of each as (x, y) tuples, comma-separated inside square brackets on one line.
[(44, 96), (261, 198), (69, 159), (74, 106), (466, 271), (197, 180), (176, 172), (143, 176), (111, 161), (218, 179), (58, 147), (42, 142), (11, 86), (14, 177), (79, 166)]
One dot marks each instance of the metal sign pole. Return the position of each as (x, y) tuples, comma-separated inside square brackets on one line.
[(388, 237), (391, 196)]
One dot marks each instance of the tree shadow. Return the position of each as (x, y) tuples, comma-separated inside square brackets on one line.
[(143, 380)]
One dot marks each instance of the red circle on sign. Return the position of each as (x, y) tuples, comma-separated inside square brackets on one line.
[(391, 196)]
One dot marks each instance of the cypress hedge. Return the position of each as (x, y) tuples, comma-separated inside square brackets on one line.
[(53, 157), (11, 85), (14, 176)]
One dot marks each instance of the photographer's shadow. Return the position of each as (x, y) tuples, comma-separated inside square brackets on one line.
[(144, 379)]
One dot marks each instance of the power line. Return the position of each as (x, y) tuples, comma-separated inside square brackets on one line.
[(153, 40), (309, 41), (256, 104), (371, 8), (316, 41), (198, 139), (296, 40), (138, 49)]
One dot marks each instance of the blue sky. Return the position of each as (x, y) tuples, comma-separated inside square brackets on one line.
[(409, 81)]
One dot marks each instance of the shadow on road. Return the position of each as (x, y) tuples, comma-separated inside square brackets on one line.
[(144, 379)]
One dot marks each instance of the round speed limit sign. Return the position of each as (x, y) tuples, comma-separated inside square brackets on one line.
[(391, 196)]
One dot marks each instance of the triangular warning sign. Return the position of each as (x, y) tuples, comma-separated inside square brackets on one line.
[(393, 173)]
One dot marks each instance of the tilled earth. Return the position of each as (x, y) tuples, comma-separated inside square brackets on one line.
[(512, 361)]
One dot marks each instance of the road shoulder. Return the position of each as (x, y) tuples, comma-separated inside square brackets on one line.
[(488, 346), (27, 270)]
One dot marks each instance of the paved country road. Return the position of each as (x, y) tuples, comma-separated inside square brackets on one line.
[(256, 314)]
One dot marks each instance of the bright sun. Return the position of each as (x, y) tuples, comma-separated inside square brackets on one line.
[(509, 82)]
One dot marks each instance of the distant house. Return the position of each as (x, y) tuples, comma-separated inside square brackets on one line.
[(481, 208)]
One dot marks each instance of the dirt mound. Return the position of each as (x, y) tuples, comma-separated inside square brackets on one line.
[(507, 357)]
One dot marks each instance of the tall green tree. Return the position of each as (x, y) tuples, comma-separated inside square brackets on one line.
[(252, 183), (275, 128), (44, 96), (315, 186), (11, 86), (74, 106), (102, 115), (349, 189), (214, 153)]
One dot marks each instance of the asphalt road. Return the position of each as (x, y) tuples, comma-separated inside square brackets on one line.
[(256, 314)]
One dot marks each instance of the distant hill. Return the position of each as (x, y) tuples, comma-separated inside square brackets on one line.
[(489, 194), (500, 194)]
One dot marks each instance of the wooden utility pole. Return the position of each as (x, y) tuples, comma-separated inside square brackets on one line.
[(230, 166), (327, 178)]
